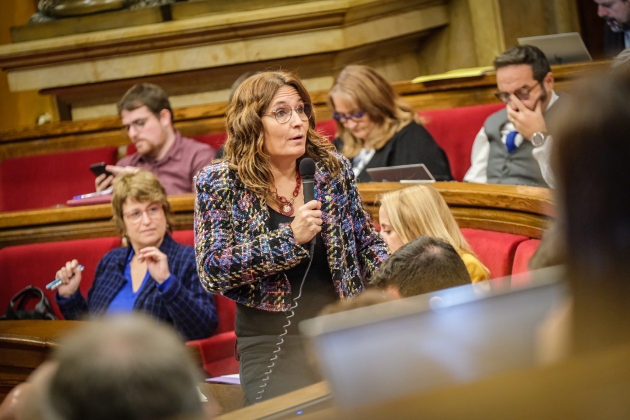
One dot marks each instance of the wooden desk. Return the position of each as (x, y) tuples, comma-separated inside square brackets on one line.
[(24, 345), (318, 392), (502, 208)]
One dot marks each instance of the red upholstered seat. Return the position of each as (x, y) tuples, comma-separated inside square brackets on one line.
[(45, 180), (36, 264), (327, 128), (455, 129), (495, 249), (217, 352), (524, 252), (214, 140), (184, 237)]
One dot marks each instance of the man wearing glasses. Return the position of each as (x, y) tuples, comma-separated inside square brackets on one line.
[(513, 146), (147, 118)]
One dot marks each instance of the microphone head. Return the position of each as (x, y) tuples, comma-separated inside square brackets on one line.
[(307, 168)]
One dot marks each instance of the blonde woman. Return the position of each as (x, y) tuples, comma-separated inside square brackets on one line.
[(376, 128), (420, 210)]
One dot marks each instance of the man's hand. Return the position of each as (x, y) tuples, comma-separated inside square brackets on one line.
[(103, 182), (526, 121)]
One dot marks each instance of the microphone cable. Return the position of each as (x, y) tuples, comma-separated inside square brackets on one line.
[(291, 314)]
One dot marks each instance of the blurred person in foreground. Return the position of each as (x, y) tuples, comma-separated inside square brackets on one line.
[(421, 266), (153, 274), (126, 367), (591, 165), (253, 228), (377, 128), (411, 212), (147, 116)]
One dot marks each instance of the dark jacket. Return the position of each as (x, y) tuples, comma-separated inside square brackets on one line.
[(185, 304), (412, 144), (240, 257)]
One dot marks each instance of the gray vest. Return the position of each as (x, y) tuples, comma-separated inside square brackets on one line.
[(516, 168)]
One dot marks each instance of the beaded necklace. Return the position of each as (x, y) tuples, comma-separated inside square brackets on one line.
[(286, 206)]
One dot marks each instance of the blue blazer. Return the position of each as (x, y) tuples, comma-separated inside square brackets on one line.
[(185, 304), (238, 256)]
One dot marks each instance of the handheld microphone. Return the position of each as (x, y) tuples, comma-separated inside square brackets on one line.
[(307, 172)]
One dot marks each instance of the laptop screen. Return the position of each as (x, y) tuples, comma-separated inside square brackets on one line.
[(457, 335), (560, 48)]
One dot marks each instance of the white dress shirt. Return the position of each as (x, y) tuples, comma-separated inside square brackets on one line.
[(481, 152)]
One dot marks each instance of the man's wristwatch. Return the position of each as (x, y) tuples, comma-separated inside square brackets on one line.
[(538, 139)]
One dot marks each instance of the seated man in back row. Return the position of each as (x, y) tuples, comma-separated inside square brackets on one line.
[(513, 144), (148, 119)]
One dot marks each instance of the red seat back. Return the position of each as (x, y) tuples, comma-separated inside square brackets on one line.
[(327, 128), (495, 249), (37, 264), (455, 130), (42, 181), (524, 253)]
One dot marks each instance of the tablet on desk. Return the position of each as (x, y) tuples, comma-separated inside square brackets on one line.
[(402, 173)]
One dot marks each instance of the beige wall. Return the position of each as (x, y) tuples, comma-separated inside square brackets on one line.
[(22, 108), (478, 31)]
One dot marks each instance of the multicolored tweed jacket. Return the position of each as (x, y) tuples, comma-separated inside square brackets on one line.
[(238, 256)]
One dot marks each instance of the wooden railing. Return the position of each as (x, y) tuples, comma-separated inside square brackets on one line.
[(502, 208)]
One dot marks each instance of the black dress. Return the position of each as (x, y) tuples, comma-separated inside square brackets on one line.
[(257, 330)]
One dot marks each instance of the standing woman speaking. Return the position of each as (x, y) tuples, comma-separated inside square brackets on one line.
[(252, 230)]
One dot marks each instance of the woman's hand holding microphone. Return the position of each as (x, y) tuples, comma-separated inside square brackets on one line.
[(307, 222)]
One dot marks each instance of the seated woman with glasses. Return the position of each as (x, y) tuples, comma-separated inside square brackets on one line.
[(253, 229), (376, 128), (153, 274), (408, 213)]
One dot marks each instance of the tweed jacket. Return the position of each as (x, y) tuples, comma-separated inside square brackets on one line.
[(185, 304), (238, 256)]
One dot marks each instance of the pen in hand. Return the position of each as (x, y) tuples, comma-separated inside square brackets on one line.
[(57, 282)]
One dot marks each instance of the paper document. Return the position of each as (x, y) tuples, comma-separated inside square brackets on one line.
[(454, 74)]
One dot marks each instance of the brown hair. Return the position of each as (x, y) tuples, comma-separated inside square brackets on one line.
[(525, 54), (374, 95), (145, 94), (124, 367), (244, 149), (422, 266), (143, 187)]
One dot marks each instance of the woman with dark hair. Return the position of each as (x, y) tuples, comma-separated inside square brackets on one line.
[(377, 128), (252, 228), (153, 274)]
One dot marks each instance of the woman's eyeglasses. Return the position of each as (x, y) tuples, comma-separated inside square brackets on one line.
[(344, 118), (152, 211), (283, 113), (522, 94)]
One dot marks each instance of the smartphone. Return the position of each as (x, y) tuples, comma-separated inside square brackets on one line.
[(99, 169)]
